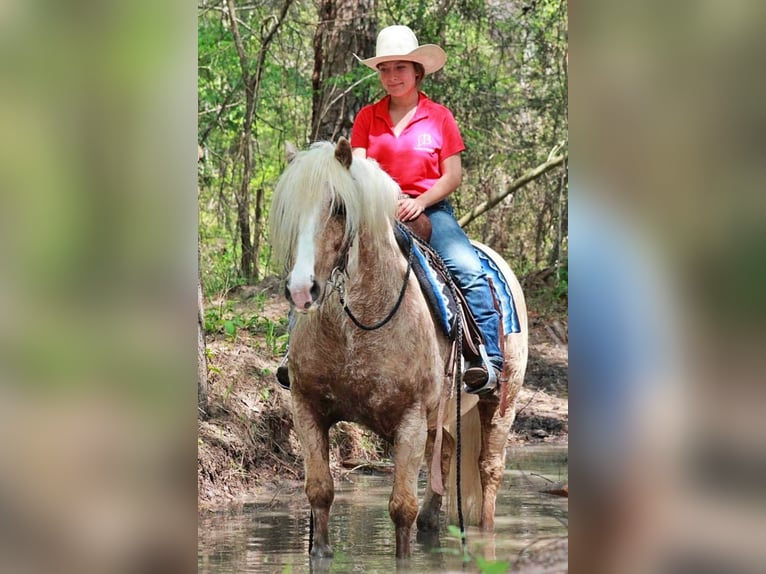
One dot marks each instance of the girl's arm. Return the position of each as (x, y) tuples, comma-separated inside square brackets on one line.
[(452, 175)]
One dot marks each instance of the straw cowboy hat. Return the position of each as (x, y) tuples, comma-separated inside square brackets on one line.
[(400, 43)]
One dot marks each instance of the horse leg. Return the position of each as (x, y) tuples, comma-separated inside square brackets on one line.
[(494, 437), (428, 519), (319, 486), (409, 443), (495, 428)]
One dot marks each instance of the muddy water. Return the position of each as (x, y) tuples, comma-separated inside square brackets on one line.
[(271, 533)]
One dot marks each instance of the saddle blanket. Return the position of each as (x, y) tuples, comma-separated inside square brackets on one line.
[(438, 293)]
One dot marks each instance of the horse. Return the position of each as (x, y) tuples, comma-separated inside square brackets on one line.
[(331, 224)]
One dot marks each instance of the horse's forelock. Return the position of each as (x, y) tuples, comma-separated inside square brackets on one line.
[(378, 209), (295, 199), (314, 181)]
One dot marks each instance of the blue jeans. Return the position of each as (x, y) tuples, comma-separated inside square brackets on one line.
[(452, 244)]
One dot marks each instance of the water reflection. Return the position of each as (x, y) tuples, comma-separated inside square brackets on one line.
[(271, 534)]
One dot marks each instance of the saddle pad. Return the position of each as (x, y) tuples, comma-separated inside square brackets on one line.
[(436, 291), (492, 263)]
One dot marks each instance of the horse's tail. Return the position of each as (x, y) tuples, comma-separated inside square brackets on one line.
[(470, 481)]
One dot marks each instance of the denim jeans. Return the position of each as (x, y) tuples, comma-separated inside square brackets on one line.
[(452, 244)]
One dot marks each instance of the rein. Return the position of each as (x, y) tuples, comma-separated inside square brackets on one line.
[(453, 375), (337, 283)]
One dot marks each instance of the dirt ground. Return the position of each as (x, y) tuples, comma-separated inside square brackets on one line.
[(246, 443)]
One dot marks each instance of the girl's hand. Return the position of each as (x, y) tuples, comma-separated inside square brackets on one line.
[(409, 209)]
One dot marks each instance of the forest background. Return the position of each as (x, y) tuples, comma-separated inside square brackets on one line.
[(275, 71)]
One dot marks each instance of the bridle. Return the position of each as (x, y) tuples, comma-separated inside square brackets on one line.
[(339, 274)]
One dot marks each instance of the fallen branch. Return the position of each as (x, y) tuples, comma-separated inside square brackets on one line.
[(518, 183)]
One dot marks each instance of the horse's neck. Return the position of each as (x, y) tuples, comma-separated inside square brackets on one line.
[(378, 268)]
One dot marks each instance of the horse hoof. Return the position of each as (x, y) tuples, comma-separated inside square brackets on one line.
[(428, 539), (427, 523), (321, 552)]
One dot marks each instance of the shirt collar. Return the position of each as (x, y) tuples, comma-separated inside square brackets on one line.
[(381, 108)]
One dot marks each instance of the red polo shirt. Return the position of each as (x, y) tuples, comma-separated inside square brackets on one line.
[(413, 159)]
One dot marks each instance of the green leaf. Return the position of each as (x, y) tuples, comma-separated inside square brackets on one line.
[(454, 531), (492, 566), (229, 327)]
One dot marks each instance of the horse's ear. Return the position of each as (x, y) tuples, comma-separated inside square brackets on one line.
[(343, 152), (290, 151)]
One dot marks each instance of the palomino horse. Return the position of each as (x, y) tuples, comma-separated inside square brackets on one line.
[(332, 227)]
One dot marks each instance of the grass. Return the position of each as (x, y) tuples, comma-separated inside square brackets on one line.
[(225, 320)]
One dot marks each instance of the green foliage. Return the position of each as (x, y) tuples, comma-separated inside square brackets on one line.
[(485, 566), (492, 566), (219, 266), (341, 562), (224, 320), (505, 81), (549, 297), (561, 289)]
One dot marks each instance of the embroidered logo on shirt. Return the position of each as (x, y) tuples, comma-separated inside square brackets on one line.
[(425, 143)]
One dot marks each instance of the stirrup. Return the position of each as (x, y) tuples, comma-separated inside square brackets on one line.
[(492, 375)]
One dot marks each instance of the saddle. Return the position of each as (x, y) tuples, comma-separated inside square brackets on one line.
[(445, 299)]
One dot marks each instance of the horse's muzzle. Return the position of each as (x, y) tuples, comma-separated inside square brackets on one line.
[(303, 297)]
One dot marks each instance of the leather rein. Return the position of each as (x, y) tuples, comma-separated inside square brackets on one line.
[(337, 282)]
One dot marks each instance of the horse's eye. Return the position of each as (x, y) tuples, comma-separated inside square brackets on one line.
[(338, 210)]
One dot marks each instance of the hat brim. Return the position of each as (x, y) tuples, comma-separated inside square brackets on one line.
[(430, 56)]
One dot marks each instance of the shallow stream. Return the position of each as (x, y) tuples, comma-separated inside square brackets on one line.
[(271, 533)]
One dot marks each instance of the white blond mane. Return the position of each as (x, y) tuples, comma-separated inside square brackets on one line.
[(316, 180)]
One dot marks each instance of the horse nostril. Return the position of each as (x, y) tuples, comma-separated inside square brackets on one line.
[(307, 304), (314, 290)]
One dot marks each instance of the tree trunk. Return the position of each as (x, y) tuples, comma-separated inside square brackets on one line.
[(246, 260), (244, 149), (346, 27), (201, 349), (562, 228), (252, 82), (201, 355)]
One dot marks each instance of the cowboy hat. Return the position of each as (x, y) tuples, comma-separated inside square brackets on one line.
[(400, 43)]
